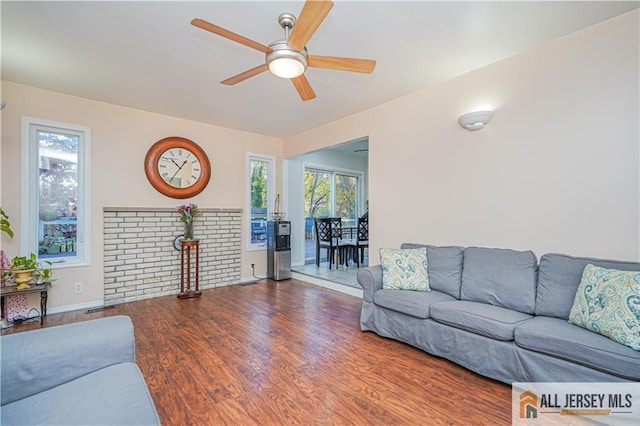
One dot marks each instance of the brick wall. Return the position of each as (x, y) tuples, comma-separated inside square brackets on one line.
[(140, 261)]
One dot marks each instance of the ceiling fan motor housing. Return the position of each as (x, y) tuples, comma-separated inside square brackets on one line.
[(287, 20)]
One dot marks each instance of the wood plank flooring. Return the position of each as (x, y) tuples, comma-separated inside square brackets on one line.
[(291, 353)]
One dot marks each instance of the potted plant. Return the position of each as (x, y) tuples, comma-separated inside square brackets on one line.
[(27, 268), (5, 226)]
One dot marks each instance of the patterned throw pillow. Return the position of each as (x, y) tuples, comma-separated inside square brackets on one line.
[(608, 302), (404, 269)]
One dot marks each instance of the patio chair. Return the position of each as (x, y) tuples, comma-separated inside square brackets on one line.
[(362, 239), (258, 230), (329, 236)]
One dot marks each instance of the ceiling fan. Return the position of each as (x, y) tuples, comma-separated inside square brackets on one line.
[(288, 58)]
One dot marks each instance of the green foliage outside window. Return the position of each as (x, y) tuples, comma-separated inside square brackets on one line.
[(317, 187), (258, 184), (346, 196)]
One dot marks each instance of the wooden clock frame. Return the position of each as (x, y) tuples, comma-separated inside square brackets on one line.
[(155, 178)]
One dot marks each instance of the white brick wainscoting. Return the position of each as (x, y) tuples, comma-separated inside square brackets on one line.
[(140, 261)]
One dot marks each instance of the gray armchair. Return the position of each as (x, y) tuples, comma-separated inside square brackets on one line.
[(80, 373)]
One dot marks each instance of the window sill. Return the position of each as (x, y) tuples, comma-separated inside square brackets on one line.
[(64, 264)]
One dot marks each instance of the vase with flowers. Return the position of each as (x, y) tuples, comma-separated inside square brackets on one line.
[(187, 214)]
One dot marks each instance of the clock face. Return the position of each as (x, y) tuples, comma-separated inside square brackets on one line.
[(177, 167)]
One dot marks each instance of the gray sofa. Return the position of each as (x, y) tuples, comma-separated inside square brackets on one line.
[(501, 314), (81, 374)]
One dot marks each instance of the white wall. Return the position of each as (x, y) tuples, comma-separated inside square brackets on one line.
[(120, 139), (555, 171)]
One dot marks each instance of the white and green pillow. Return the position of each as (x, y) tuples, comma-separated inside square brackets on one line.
[(404, 269), (608, 302)]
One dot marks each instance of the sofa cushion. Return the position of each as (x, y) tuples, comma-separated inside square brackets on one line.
[(404, 269), (479, 318), (444, 266), (416, 304), (608, 302), (559, 338), (500, 277), (115, 395), (61, 354), (559, 278)]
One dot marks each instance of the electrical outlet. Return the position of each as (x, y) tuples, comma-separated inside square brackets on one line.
[(78, 288), (253, 266)]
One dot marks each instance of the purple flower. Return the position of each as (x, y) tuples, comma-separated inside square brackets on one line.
[(4, 260), (188, 212)]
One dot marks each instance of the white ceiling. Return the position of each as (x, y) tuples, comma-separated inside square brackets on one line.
[(146, 55)]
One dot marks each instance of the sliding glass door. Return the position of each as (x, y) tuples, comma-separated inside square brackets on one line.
[(329, 193)]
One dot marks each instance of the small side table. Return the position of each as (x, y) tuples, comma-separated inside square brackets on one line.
[(42, 289), (186, 249)]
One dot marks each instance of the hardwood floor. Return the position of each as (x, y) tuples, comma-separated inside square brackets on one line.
[(291, 353)]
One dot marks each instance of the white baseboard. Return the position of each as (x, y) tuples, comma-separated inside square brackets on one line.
[(328, 284), (248, 280), (76, 307)]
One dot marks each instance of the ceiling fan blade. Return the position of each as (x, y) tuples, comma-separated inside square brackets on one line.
[(303, 87), (342, 64), (208, 26), (311, 16), (245, 75)]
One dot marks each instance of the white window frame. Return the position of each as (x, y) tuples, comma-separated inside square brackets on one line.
[(271, 195), (29, 202)]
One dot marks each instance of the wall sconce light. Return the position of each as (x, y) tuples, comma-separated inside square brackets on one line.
[(475, 120)]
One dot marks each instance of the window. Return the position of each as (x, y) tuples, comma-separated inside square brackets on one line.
[(261, 198), (56, 191), (317, 187), (346, 196), (330, 193)]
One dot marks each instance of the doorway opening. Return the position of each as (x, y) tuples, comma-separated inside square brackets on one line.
[(331, 182)]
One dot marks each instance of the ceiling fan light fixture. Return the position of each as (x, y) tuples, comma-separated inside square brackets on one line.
[(285, 62)]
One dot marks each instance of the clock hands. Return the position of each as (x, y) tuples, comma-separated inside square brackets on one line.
[(172, 160), (179, 168)]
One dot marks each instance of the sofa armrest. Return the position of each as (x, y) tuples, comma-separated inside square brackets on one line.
[(37, 360), (370, 279)]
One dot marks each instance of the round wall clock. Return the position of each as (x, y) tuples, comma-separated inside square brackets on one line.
[(177, 167)]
